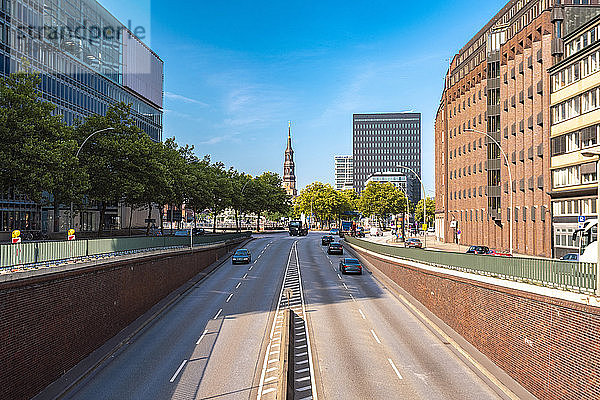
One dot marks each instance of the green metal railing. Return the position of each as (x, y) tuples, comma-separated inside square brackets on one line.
[(37, 253), (574, 276)]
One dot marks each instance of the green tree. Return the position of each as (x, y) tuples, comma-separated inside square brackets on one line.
[(267, 195), (37, 149), (382, 199)]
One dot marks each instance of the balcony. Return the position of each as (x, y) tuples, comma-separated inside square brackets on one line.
[(493, 164)]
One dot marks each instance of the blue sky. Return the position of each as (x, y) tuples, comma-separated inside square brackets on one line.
[(237, 71)]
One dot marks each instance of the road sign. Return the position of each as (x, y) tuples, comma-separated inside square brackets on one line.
[(71, 235), (16, 240), (458, 232), (453, 224), (424, 227), (16, 236), (581, 219)]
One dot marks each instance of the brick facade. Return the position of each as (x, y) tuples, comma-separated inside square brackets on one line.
[(548, 345), (50, 323)]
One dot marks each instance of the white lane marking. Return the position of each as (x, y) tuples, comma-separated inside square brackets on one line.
[(310, 360), (395, 369), (302, 389), (352, 297), (219, 313), (202, 337), (238, 285), (178, 371), (345, 286), (303, 379), (245, 276), (250, 269), (375, 336), (299, 371), (229, 298), (339, 276), (362, 314)]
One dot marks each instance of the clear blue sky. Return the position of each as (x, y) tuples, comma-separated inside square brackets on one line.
[(237, 71)]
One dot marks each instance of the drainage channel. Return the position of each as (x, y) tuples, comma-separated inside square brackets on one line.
[(300, 363)]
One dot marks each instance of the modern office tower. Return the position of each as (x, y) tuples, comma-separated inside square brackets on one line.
[(344, 167), (493, 123), (385, 143), (87, 60)]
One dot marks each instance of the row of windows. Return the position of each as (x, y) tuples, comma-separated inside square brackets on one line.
[(574, 175), (403, 125), (576, 106), (412, 137), (465, 104), (574, 141), (523, 214), (575, 72), (582, 41), (464, 171), (563, 208), (466, 148)]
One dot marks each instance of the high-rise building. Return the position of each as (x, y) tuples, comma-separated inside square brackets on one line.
[(87, 61), (496, 104), (289, 168), (387, 142), (344, 169)]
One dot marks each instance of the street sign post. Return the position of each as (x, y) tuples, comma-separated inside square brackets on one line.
[(581, 222), (16, 237), (71, 235)]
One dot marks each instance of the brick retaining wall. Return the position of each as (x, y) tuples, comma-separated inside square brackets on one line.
[(50, 323), (550, 346)]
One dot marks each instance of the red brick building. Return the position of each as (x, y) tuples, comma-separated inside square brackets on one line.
[(498, 86)]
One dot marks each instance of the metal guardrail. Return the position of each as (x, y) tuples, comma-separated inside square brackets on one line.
[(40, 253), (567, 275)]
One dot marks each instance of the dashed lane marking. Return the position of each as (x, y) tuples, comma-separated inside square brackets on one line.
[(219, 313), (178, 371), (395, 369), (375, 336), (202, 337), (229, 298), (362, 314)]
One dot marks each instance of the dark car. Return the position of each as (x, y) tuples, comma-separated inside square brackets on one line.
[(335, 248), (241, 256), (413, 244), (350, 265), (325, 240), (360, 232), (478, 250), (334, 231), (570, 257), (198, 231)]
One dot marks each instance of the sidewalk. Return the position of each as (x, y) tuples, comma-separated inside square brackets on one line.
[(432, 244)]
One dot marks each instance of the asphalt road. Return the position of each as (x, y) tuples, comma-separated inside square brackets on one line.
[(212, 343)]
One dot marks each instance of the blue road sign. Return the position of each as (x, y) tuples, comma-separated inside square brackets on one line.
[(581, 219)]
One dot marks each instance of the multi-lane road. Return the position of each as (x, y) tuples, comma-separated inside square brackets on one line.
[(356, 340)]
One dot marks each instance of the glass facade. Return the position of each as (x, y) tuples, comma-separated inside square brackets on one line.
[(79, 49)]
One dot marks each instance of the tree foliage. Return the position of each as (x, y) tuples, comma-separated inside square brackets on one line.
[(430, 210)]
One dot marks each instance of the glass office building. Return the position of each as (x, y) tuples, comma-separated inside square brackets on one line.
[(87, 61)]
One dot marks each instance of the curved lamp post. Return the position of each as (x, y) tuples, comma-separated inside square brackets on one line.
[(596, 154), (512, 211), (77, 156), (424, 197)]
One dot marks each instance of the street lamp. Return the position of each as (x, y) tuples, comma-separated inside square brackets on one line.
[(596, 153), (77, 156), (424, 197), (512, 211)]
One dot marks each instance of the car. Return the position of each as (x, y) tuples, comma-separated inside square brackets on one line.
[(325, 240), (334, 232), (413, 244), (348, 265), (241, 256), (198, 231), (499, 253), (335, 248), (570, 257), (182, 233), (360, 232), (479, 250)]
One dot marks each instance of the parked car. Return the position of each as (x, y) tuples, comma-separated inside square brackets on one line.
[(478, 250), (181, 233), (334, 232), (198, 231), (499, 254), (325, 240), (335, 248), (413, 244), (570, 257), (241, 256), (348, 265)]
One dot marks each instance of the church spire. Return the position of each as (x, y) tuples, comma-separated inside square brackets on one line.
[(289, 168)]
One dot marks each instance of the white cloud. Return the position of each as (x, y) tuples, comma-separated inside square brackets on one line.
[(177, 97)]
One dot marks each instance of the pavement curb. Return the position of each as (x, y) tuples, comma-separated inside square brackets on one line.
[(404, 296), (71, 378)]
